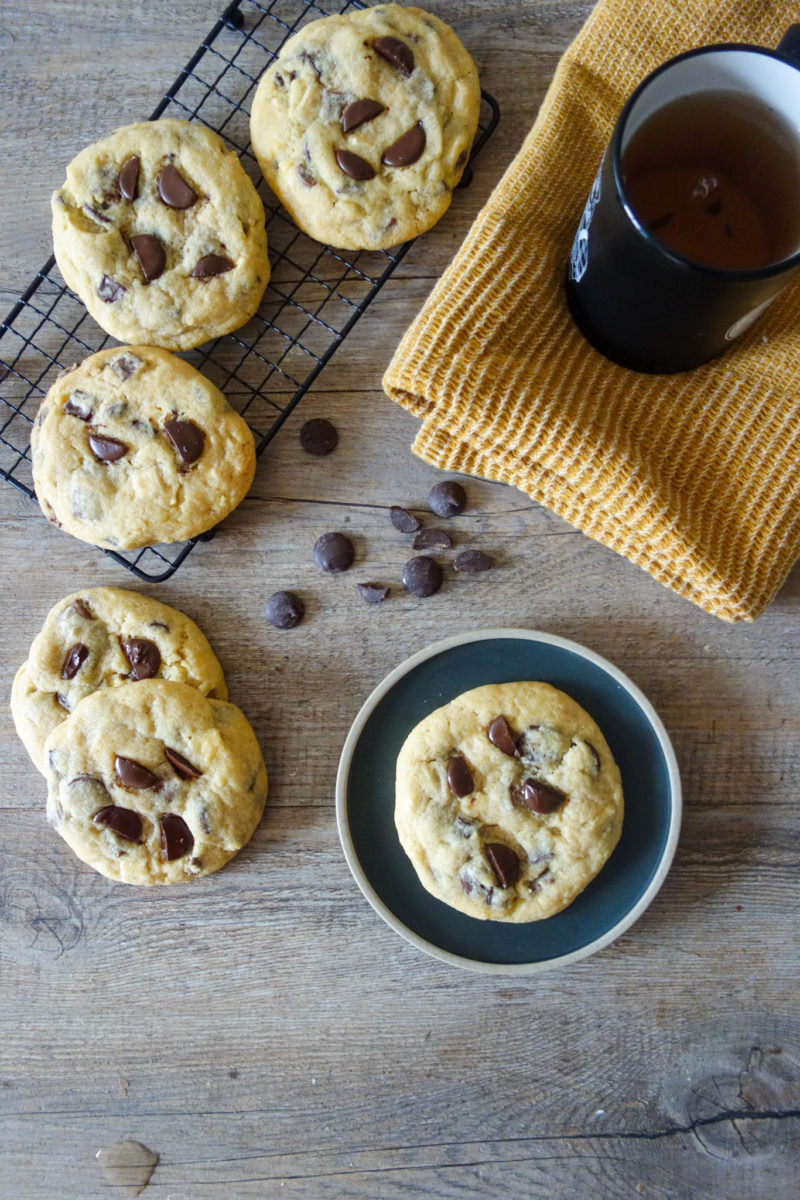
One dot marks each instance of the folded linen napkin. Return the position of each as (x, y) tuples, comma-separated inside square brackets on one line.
[(696, 476)]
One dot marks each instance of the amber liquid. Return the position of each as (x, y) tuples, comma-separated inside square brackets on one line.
[(716, 177)]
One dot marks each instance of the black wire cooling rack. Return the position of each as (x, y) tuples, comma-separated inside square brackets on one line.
[(313, 300)]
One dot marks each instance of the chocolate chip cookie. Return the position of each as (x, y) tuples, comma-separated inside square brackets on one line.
[(152, 782), (136, 447), (99, 638), (363, 124), (161, 233), (508, 801)]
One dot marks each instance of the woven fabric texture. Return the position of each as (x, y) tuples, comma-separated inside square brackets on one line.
[(692, 476)]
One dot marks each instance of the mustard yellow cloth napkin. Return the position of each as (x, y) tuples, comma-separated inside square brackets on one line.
[(694, 476)]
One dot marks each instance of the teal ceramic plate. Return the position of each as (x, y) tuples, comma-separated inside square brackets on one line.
[(365, 801)]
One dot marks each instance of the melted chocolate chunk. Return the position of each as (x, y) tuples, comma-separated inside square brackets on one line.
[(187, 438), (407, 149), (109, 290), (354, 165), (359, 112), (503, 862), (173, 188), (63, 702), (144, 657), (176, 837), (76, 657), (133, 775), (372, 593), (128, 178), (305, 175), (124, 822), (150, 255), (318, 437), (500, 735), (472, 562), (396, 52), (432, 539), (126, 365), (284, 610), (107, 449), (82, 609), (459, 776), (447, 499), (464, 827), (210, 265), (79, 405), (540, 797), (333, 552), (403, 520), (181, 765)]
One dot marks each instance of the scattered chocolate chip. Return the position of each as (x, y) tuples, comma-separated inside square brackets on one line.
[(82, 609), (133, 775), (535, 885), (397, 53), (432, 539), (459, 776), (63, 702), (79, 405), (107, 449), (76, 657), (472, 562), (284, 610), (128, 178), (333, 552), (305, 175), (595, 756), (109, 290), (181, 765), (354, 165), (540, 797), (359, 112), (447, 499), (210, 265), (422, 576), (372, 593), (144, 657), (124, 822), (187, 438), (407, 149), (503, 862), (500, 735), (150, 255), (126, 365), (312, 62), (176, 837), (464, 827), (318, 437), (173, 188), (403, 520)]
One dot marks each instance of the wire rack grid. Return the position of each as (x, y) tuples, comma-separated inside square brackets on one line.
[(314, 297)]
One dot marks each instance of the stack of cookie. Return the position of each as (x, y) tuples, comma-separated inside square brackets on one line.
[(153, 777)]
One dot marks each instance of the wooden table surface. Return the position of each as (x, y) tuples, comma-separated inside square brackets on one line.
[(262, 1030)]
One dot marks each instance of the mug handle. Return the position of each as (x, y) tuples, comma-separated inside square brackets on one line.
[(789, 45)]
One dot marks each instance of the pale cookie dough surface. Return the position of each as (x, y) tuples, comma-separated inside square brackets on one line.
[(152, 783), (202, 267), (135, 447), (466, 807), (99, 638), (414, 135)]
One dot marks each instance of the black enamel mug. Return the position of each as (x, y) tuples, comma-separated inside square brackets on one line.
[(692, 226)]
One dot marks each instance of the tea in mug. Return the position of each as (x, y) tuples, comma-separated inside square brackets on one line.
[(714, 175)]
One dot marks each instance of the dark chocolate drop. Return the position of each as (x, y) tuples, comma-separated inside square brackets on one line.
[(128, 179), (181, 765), (354, 166), (150, 255), (396, 52), (359, 112), (407, 149), (133, 775), (187, 438), (173, 188), (210, 265), (176, 837), (144, 657), (107, 449), (124, 822), (76, 657), (503, 862)]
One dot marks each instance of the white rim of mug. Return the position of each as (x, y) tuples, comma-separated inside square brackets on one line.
[(615, 150), (480, 965)]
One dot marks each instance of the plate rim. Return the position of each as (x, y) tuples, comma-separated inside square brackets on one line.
[(479, 965)]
